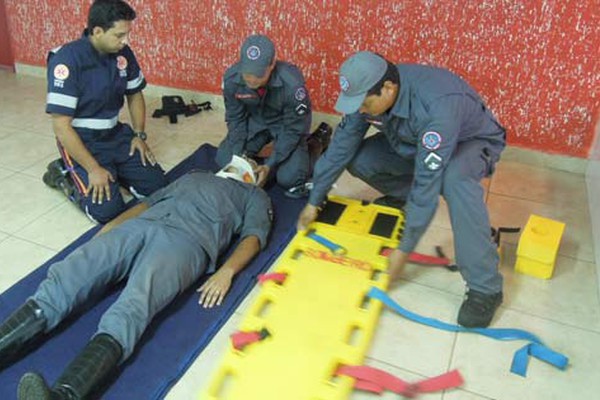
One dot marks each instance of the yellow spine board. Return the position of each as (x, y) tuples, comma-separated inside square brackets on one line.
[(320, 317)]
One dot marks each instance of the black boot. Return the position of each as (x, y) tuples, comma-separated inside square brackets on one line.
[(317, 143), (323, 134), (83, 375), (55, 172), (57, 177), (22, 327), (478, 309), (320, 138)]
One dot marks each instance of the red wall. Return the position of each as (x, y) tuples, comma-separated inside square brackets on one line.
[(534, 61), (6, 58)]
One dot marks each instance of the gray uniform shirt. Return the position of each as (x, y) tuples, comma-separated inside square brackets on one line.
[(284, 109), (435, 111), (211, 210)]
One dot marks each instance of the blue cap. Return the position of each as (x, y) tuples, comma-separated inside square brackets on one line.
[(358, 75), (256, 55)]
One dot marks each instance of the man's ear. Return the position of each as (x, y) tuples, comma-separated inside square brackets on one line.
[(97, 31), (272, 66), (389, 88)]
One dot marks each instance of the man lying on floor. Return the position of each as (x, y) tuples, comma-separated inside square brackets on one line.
[(167, 242)]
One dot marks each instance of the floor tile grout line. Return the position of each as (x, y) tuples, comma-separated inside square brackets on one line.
[(533, 201), (35, 219), (37, 244)]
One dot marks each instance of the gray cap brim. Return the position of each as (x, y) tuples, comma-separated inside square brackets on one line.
[(253, 69), (349, 104)]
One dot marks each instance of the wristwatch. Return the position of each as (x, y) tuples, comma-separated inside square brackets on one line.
[(142, 135)]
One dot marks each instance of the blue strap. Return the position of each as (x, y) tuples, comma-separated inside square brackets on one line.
[(333, 247), (521, 358)]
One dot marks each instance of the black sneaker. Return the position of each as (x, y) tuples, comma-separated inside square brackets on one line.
[(323, 135), (390, 201), (54, 174), (300, 191), (478, 309)]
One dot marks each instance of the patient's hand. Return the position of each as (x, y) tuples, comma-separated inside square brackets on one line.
[(215, 288)]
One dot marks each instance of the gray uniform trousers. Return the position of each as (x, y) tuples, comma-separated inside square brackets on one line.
[(158, 262), (476, 255), (293, 171)]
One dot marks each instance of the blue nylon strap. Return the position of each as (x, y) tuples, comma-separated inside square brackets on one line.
[(333, 247), (521, 358)]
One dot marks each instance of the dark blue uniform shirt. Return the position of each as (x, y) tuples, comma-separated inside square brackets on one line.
[(90, 87)]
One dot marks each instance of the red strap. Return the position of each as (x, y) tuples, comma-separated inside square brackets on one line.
[(376, 381), (243, 339), (277, 277), (419, 258)]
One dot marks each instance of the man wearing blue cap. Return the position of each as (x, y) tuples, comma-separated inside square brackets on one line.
[(436, 137), (266, 101)]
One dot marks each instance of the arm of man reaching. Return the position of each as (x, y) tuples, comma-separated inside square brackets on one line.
[(346, 141), (437, 141), (98, 176)]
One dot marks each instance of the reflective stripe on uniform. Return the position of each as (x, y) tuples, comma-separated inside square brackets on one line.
[(93, 123), (62, 100), (134, 83)]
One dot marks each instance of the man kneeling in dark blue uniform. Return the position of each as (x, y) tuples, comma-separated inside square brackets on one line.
[(87, 82), (160, 247)]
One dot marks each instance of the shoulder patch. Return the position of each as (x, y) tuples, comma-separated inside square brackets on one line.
[(301, 109), (61, 72), (431, 140), (300, 94), (433, 162), (122, 63)]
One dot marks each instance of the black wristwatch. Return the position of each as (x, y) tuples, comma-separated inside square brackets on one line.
[(142, 135)]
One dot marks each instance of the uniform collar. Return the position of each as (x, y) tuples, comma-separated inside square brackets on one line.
[(85, 37), (401, 107)]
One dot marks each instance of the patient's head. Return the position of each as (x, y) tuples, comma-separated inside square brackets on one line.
[(239, 169)]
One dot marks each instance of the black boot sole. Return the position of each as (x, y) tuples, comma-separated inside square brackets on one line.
[(33, 387)]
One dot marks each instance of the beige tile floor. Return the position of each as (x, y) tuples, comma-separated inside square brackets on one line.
[(36, 222)]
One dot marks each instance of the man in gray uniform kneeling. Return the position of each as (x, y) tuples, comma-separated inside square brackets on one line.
[(436, 137), (161, 247), (266, 101)]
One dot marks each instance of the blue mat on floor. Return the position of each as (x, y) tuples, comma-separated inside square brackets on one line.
[(176, 336)]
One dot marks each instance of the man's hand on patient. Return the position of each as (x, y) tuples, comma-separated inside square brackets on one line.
[(215, 288)]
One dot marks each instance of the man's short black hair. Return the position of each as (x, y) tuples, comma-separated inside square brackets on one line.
[(391, 74), (104, 14)]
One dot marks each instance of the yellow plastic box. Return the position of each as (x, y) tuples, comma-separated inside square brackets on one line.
[(538, 247)]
